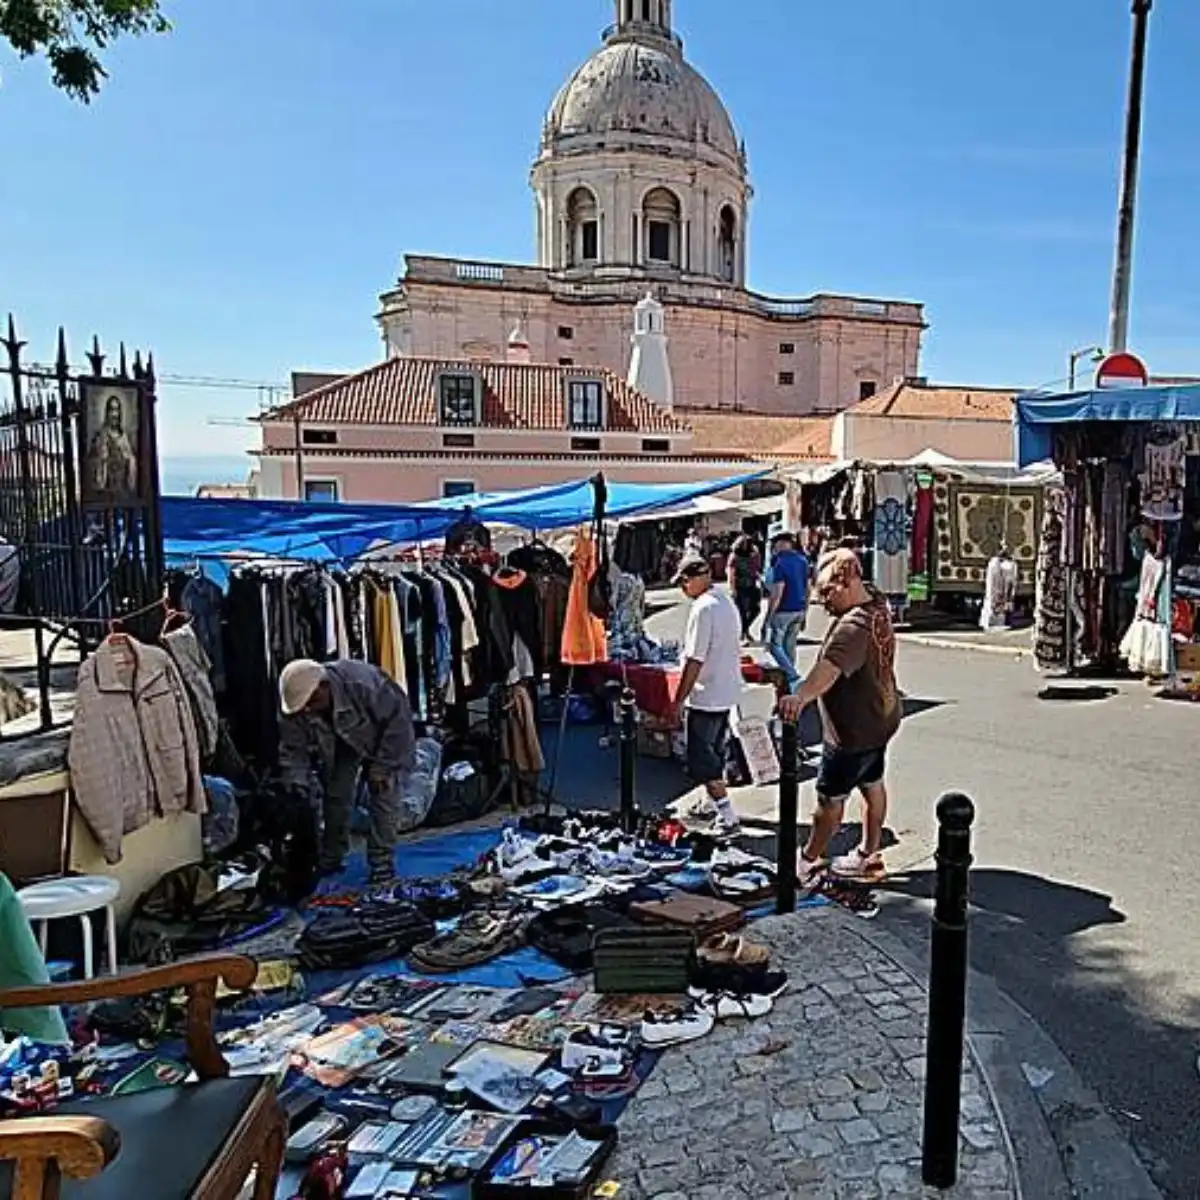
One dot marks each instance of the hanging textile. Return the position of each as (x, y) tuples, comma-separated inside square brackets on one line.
[(922, 532), (1163, 480), (1114, 518), (891, 533), (584, 642), (1050, 609), (1147, 643)]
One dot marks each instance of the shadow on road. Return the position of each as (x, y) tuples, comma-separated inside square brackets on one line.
[(1104, 1010)]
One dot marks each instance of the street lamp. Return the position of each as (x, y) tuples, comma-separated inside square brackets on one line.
[(1122, 267), (1092, 353)]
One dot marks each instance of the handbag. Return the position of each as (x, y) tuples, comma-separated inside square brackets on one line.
[(369, 933)]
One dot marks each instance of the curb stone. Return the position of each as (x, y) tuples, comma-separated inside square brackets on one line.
[(946, 643), (1061, 1139)]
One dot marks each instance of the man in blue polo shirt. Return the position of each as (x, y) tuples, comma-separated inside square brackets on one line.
[(787, 604)]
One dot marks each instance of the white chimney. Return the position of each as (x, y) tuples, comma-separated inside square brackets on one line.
[(649, 365), (518, 346)]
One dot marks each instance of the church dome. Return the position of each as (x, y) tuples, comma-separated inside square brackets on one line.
[(641, 86)]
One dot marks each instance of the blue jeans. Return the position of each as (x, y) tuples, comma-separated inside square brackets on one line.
[(783, 631)]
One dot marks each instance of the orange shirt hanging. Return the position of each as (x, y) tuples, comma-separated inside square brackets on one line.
[(583, 640)]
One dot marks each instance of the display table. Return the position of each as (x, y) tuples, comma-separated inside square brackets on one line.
[(654, 687)]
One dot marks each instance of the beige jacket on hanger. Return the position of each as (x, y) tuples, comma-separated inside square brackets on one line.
[(134, 753)]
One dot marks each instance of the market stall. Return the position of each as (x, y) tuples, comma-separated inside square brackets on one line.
[(1119, 570), (928, 527)]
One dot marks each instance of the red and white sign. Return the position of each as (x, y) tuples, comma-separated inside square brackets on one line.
[(1122, 371)]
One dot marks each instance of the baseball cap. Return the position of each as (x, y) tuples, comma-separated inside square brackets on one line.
[(297, 682), (691, 567)]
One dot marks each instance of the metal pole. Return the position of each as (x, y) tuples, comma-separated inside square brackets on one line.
[(628, 740), (299, 456), (1123, 268), (947, 992), (789, 805)]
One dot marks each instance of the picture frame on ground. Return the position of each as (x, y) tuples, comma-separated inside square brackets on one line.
[(110, 425)]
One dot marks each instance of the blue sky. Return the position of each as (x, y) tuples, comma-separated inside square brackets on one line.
[(244, 189)]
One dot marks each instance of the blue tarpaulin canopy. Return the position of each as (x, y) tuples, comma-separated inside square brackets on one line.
[(1036, 413), (195, 529)]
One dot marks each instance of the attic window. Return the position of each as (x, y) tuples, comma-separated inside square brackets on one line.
[(586, 445), (318, 437), (566, 332), (787, 378), (456, 394), (656, 446), (867, 388), (585, 404), (787, 347)]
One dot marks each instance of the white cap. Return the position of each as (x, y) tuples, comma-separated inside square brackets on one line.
[(297, 682)]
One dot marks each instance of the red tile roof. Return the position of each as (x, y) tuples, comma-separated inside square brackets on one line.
[(758, 435), (404, 391), (908, 398)]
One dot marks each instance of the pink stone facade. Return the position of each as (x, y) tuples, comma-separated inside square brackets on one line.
[(728, 347)]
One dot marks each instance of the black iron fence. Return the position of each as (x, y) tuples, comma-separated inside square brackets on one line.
[(79, 486)]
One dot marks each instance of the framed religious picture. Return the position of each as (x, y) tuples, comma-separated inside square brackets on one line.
[(110, 444)]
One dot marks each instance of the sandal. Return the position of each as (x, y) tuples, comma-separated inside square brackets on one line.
[(724, 949), (743, 884), (478, 938)]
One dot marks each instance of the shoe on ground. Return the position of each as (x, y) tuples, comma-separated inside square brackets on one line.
[(725, 1006), (726, 827), (701, 809), (708, 977), (857, 865), (726, 949), (593, 1044), (809, 874), (674, 1027)]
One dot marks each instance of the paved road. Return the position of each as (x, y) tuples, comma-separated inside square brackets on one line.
[(1086, 889)]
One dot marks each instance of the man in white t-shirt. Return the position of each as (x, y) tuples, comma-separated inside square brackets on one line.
[(711, 683)]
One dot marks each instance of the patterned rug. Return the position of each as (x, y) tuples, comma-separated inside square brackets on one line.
[(971, 520)]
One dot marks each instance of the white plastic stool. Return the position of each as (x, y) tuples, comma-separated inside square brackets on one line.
[(75, 896)]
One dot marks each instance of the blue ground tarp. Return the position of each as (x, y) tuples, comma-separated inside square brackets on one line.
[(202, 529), (1037, 413)]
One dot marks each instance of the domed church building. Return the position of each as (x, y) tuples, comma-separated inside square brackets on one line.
[(642, 192)]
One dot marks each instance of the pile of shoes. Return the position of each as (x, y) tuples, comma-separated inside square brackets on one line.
[(732, 980)]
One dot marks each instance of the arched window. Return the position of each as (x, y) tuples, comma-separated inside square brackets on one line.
[(727, 244), (662, 220), (583, 227)]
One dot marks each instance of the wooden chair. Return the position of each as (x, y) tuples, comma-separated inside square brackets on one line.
[(200, 1140)]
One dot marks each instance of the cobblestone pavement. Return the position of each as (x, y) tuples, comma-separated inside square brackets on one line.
[(821, 1100)]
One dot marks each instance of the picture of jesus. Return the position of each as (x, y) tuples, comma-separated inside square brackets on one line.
[(110, 468)]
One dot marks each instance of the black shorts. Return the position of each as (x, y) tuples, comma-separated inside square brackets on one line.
[(707, 742), (842, 771)]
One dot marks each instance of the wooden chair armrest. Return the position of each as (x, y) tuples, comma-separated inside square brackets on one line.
[(45, 1148), (197, 975)]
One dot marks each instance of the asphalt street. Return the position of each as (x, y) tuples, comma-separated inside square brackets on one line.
[(1085, 888)]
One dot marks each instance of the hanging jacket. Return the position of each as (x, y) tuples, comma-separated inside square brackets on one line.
[(188, 655), (134, 753)]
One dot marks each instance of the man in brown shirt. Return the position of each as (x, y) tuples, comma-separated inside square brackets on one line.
[(854, 686)]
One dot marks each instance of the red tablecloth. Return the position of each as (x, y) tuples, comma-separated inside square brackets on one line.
[(653, 687)]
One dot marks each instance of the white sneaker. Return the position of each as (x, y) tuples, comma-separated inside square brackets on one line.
[(726, 1005), (724, 826), (701, 809), (673, 1028), (857, 865)]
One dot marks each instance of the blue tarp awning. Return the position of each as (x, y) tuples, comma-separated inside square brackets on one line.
[(199, 529), (1036, 413)]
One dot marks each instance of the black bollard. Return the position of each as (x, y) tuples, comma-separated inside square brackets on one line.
[(789, 812), (628, 742), (947, 992)]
